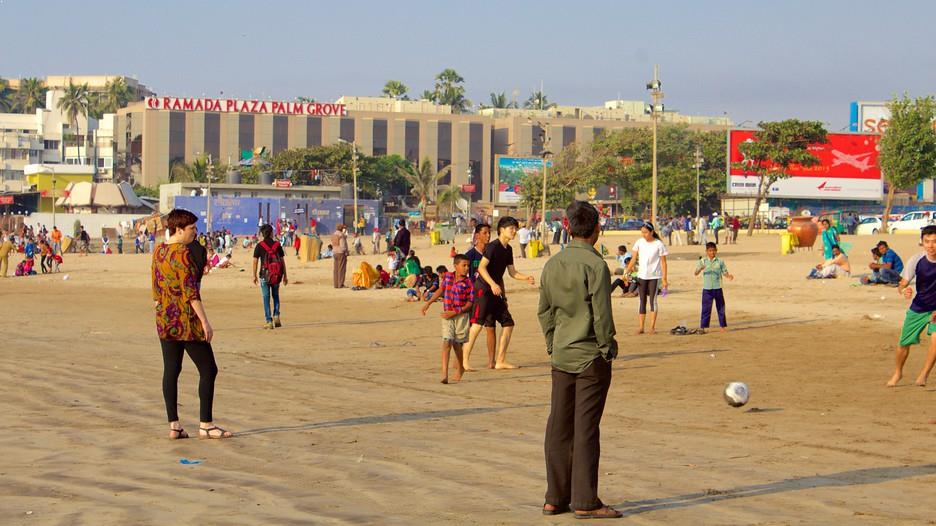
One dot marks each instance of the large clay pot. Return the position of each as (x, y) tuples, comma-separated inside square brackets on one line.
[(805, 230)]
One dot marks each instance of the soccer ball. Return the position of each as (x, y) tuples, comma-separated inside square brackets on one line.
[(737, 394)]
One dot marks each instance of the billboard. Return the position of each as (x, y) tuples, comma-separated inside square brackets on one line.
[(510, 171), (847, 169)]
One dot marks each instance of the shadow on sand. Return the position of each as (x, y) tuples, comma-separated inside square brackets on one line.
[(858, 477), (384, 419)]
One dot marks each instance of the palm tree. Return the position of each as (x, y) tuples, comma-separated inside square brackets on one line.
[(538, 101), (395, 89), (116, 95), (449, 90), (6, 96), (423, 180), (499, 100), (448, 196), (180, 172), (73, 103), (31, 95), (429, 95), (305, 100)]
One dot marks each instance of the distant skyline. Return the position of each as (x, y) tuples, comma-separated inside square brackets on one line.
[(753, 60)]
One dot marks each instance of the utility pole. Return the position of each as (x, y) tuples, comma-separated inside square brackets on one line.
[(546, 153), (468, 171), (354, 181), (656, 95), (208, 219), (698, 167)]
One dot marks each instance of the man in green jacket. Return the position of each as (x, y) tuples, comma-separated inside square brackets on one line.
[(575, 314)]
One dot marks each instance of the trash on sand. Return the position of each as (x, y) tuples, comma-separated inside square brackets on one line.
[(187, 462)]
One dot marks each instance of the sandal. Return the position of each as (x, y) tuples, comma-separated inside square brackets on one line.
[(180, 434), (208, 436), (557, 510), (604, 512)]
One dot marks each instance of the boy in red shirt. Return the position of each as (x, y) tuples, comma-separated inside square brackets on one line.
[(455, 290)]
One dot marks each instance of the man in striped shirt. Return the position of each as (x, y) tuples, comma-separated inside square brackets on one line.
[(455, 290)]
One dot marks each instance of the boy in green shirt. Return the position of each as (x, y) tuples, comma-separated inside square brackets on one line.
[(712, 270)]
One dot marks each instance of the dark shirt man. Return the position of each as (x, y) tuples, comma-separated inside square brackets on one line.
[(577, 322), (402, 239)]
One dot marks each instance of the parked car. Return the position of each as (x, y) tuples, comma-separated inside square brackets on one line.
[(912, 222), (617, 224), (869, 226)]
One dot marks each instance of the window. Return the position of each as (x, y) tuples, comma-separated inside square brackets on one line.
[(176, 135), (50, 145), (380, 137), (346, 130), (213, 134), (314, 131), (280, 133), (237, 194), (411, 141), (245, 135), (253, 194)]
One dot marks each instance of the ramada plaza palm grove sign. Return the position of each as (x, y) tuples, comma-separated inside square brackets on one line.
[(315, 109)]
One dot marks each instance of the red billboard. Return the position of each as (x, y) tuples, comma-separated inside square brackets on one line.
[(848, 169)]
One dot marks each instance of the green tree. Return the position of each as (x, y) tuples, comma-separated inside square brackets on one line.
[(430, 96), (908, 146), (447, 198), (776, 147), (449, 89), (423, 180), (116, 95), (75, 102), (305, 100), (7, 100), (564, 179), (31, 95), (499, 100), (538, 101), (395, 89)]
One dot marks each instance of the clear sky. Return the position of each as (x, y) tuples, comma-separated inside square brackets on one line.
[(755, 60)]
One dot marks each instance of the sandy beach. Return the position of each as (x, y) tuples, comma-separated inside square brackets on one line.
[(341, 418)]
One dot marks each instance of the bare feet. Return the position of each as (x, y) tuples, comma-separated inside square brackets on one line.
[(724, 329), (469, 369), (490, 365), (444, 380), (894, 379), (505, 365), (639, 332), (651, 331), (920, 382)]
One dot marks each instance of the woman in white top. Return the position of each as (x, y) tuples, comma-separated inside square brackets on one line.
[(651, 254)]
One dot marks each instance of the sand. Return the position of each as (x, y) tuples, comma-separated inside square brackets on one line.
[(341, 418)]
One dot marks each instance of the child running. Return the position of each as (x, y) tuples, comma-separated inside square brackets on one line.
[(922, 312), (650, 254), (491, 300), (456, 292), (712, 270)]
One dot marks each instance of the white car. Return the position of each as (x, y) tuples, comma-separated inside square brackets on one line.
[(912, 222), (869, 226)]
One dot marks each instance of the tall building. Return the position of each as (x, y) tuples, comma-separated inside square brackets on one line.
[(159, 130)]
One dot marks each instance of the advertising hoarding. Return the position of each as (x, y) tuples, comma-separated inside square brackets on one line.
[(847, 169), (510, 171)]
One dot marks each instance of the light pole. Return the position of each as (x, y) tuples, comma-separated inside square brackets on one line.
[(546, 153), (468, 172), (698, 167), (656, 95), (208, 220)]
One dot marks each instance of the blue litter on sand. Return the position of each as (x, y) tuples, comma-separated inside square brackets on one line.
[(187, 462)]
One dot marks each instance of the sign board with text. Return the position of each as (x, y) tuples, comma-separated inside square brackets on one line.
[(509, 173), (314, 109), (848, 169)]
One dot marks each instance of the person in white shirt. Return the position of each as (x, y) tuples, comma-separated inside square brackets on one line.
[(523, 237), (650, 255)]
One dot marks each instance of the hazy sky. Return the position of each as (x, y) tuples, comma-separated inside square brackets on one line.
[(755, 59)]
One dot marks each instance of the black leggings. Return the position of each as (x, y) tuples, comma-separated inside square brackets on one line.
[(203, 356), (647, 288)]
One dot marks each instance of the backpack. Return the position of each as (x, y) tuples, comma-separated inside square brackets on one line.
[(273, 266)]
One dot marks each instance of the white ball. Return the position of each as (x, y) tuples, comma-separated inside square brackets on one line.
[(737, 394)]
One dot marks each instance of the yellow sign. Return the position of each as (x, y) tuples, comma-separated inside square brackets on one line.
[(592, 192)]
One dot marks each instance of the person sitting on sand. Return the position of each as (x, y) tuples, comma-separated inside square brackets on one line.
[(328, 252), (887, 270), (835, 267)]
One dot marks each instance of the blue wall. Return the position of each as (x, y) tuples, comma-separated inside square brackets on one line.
[(241, 215)]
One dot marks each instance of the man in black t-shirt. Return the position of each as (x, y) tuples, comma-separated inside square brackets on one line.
[(481, 237), (491, 300)]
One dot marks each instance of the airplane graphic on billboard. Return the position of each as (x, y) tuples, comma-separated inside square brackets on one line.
[(860, 161)]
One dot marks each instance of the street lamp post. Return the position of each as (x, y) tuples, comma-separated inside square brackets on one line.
[(656, 95), (545, 168), (698, 168), (208, 220), (353, 176), (468, 172)]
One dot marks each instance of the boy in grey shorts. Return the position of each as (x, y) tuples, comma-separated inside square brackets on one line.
[(455, 289)]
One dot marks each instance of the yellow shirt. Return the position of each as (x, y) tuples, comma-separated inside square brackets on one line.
[(5, 249)]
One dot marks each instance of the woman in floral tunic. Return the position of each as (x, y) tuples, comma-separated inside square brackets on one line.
[(182, 325)]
